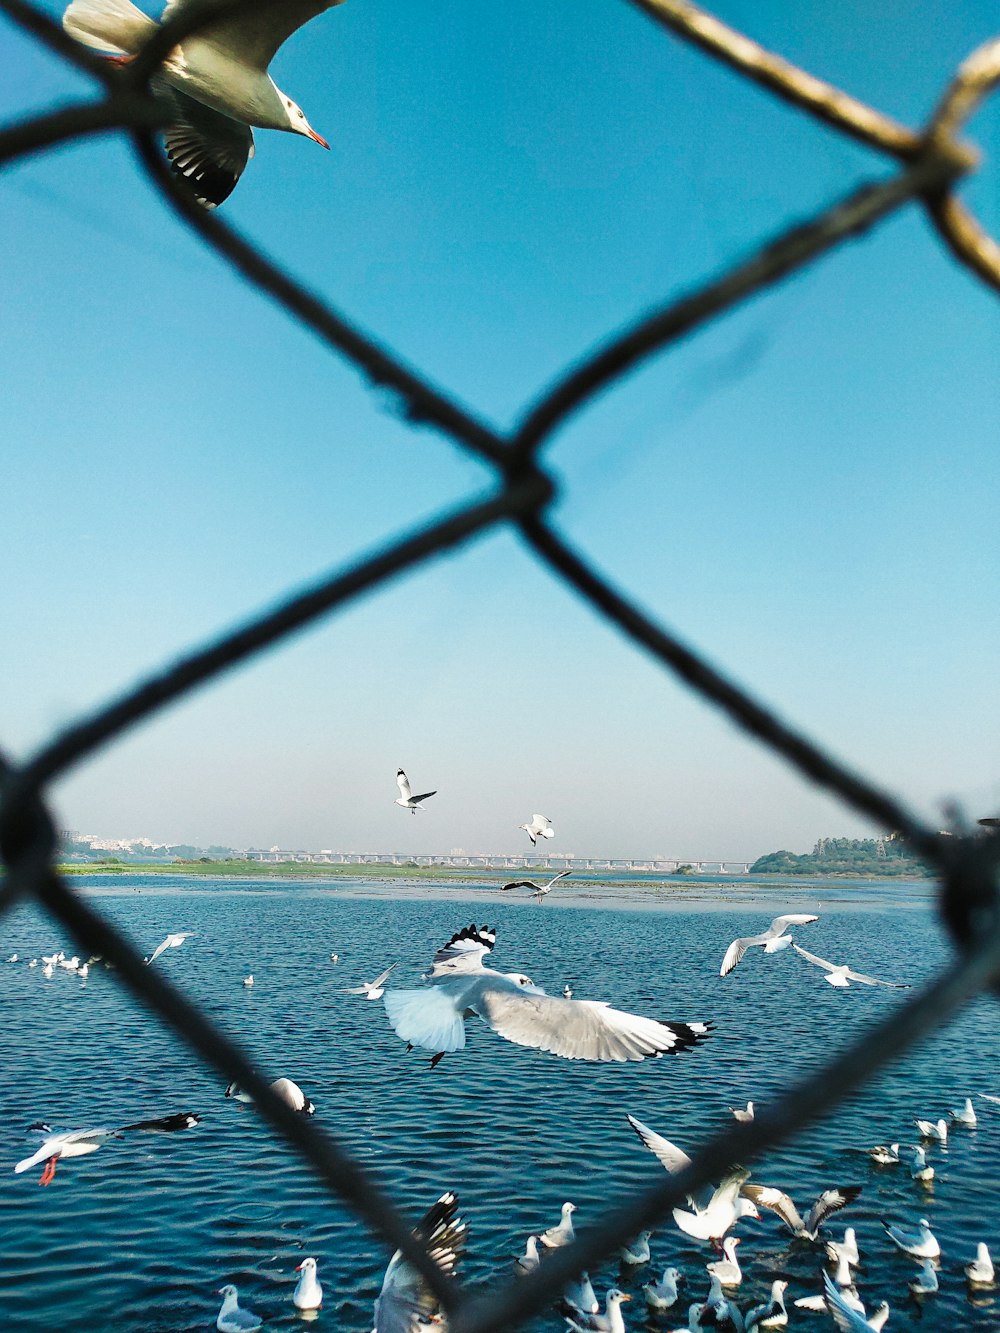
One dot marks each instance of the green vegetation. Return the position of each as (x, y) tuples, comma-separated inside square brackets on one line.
[(868, 857)]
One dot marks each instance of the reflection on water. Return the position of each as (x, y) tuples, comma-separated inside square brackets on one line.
[(141, 1234)]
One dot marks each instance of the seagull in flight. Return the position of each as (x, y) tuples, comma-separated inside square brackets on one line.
[(214, 83), (406, 1304), (371, 990), (773, 939), (839, 974), (433, 1017), (406, 798), (80, 1142), (540, 827), (171, 942), (830, 1201), (539, 890)]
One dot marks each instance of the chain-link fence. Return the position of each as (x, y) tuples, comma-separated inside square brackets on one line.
[(928, 165)]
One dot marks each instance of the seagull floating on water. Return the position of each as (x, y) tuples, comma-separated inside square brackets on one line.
[(830, 1201), (926, 1282), (553, 1238), (214, 82), (935, 1130), (540, 827), (840, 975), (727, 1269), (772, 1314), (529, 1260), (773, 939), (433, 1017), (539, 890), (920, 1244), (248, 981), (965, 1115), (980, 1271), (638, 1252), (609, 1322), (406, 1304), (171, 942), (308, 1293), (744, 1117), (919, 1170), (885, 1154), (406, 798), (233, 1318), (663, 1294), (581, 1295), (371, 990)]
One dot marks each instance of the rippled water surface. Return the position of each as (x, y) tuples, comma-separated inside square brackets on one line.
[(141, 1234)]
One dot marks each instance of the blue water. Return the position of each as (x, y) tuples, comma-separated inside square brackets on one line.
[(141, 1234)]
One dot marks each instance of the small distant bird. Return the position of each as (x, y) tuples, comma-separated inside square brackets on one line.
[(335, 958), (609, 1322), (12, 958), (529, 1260), (567, 991), (830, 1201), (965, 1115), (290, 1093), (233, 1318), (171, 942), (33, 963), (539, 890), (248, 981), (562, 1233), (308, 1293), (638, 1252), (371, 990), (773, 939), (772, 1314), (83, 971), (540, 827), (663, 1294), (406, 798), (885, 1154), (742, 1116), (935, 1130), (840, 975), (406, 1304), (727, 1269), (980, 1271), (921, 1244), (214, 82), (926, 1282)]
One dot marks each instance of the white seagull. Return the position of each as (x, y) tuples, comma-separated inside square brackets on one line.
[(539, 890), (214, 82), (290, 1093), (772, 1314), (406, 798), (713, 1212), (540, 827), (773, 939), (846, 1316), (934, 1130), (406, 1304), (609, 1322), (308, 1293), (840, 974), (920, 1244), (233, 1318), (830, 1201), (885, 1154), (433, 1017), (727, 1269), (965, 1115), (845, 1249), (926, 1281), (919, 1170), (980, 1271), (717, 1311), (171, 942), (80, 1142), (744, 1117), (529, 1260), (663, 1294), (638, 1252), (248, 981), (553, 1238), (371, 990), (581, 1294)]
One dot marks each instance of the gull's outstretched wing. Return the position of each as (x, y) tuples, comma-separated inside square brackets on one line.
[(158, 950), (403, 783), (846, 1319), (254, 35), (521, 884), (767, 1197), (736, 951), (428, 1017), (465, 951), (424, 795), (206, 150), (781, 923), (406, 1303), (812, 958), (875, 981), (830, 1201), (668, 1154), (575, 1029)]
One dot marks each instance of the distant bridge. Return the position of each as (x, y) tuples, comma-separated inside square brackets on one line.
[(554, 862)]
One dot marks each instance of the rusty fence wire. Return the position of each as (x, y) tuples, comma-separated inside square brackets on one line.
[(926, 166)]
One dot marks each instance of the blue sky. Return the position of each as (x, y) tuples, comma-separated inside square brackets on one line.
[(806, 491)]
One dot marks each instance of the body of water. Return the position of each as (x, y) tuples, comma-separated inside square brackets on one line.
[(141, 1234)]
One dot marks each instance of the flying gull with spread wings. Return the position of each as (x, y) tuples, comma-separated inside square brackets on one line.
[(406, 1303), (540, 827), (840, 975), (406, 798), (214, 83), (433, 1017), (539, 890), (773, 939)]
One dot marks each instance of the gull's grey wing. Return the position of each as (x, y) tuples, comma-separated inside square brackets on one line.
[(165, 1124), (820, 962), (424, 795), (254, 35), (520, 884), (875, 981), (465, 951), (781, 923), (575, 1029), (429, 1017), (830, 1201), (382, 976), (846, 1319), (405, 1302), (207, 151), (668, 1154), (767, 1197), (159, 949), (403, 783), (562, 875), (736, 951)]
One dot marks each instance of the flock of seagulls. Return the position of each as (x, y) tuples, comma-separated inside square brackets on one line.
[(459, 984), (776, 938)]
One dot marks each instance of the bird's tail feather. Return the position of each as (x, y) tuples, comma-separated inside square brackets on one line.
[(116, 27)]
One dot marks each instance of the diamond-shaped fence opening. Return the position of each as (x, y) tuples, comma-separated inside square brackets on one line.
[(926, 164)]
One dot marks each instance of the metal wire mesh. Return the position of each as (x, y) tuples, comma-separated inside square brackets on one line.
[(928, 164)]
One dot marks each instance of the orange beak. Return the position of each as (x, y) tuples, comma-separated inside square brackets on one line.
[(318, 138)]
